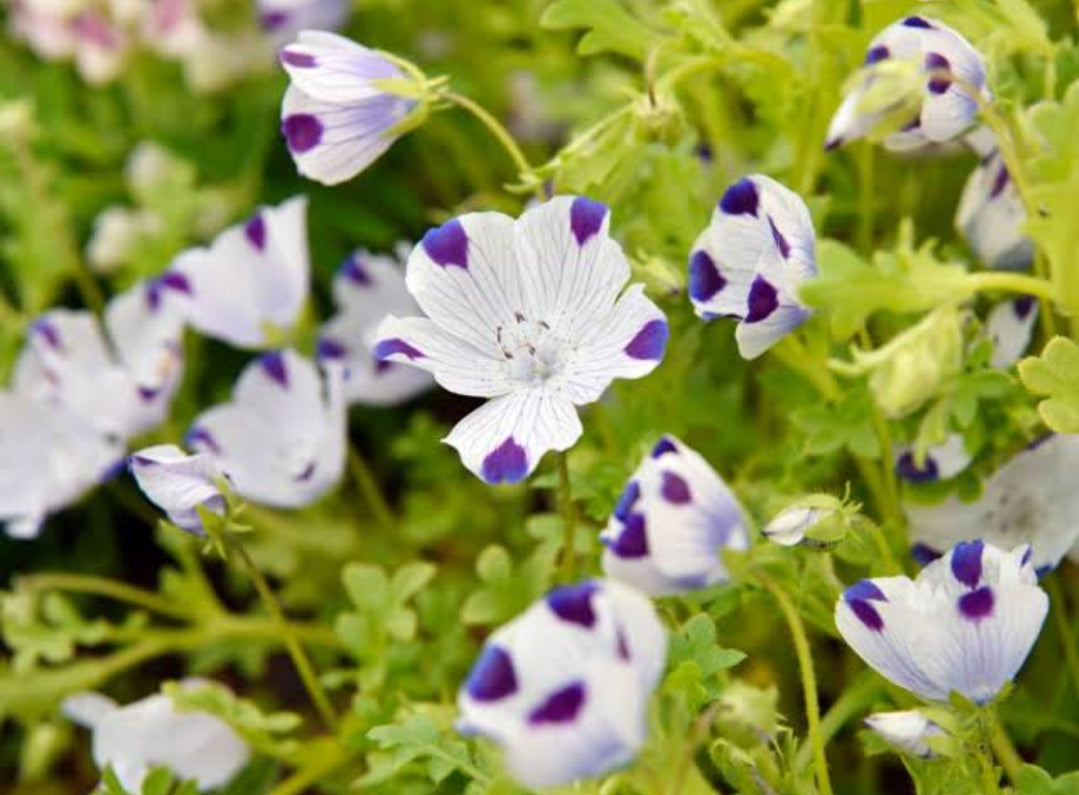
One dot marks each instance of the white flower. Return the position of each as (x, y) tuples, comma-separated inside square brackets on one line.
[(564, 687), (1032, 499), (942, 461), (116, 231), (907, 730), (282, 439), (1010, 325), (49, 456), (966, 624), (945, 108), (337, 116), (179, 483), (790, 526), (750, 261), (366, 289), (174, 28), (675, 517), (284, 19), (531, 313), (120, 379), (991, 216), (252, 280), (135, 738)]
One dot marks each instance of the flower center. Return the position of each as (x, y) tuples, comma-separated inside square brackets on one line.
[(532, 352)]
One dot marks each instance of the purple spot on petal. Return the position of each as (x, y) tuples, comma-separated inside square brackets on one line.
[(937, 62), (741, 198), (763, 300), (255, 231), (447, 245), (169, 280), (623, 646), (147, 394), (353, 270), (923, 554), (199, 438), (1000, 182), (44, 328), (675, 490), (864, 590), (306, 474), (328, 348), (913, 124), (663, 446), (916, 22), (876, 54), (650, 342), (907, 468), (382, 367), (867, 614), (273, 365), (1027, 555), (781, 242), (492, 677), (629, 498), (302, 131), (273, 21), (632, 542), (573, 603), (705, 280), (387, 348), (978, 604), (303, 60), (507, 463), (967, 562), (585, 218), (561, 706)]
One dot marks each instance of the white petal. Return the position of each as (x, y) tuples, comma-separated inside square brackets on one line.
[(87, 709), (789, 527), (330, 68), (178, 483), (503, 440), (283, 19), (1010, 326), (145, 328), (906, 729), (991, 216), (942, 461)]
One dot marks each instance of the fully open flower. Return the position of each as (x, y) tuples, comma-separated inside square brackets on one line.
[(1010, 325), (532, 313), (283, 19), (675, 517), (991, 216), (750, 261), (138, 737), (1032, 499), (49, 456), (941, 110), (966, 624), (178, 483), (906, 729), (941, 461), (564, 687), (345, 106), (252, 281), (282, 439), (366, 289), (120, 379)]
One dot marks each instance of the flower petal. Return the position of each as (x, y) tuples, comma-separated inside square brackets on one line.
[(178, 483), (333, 69)]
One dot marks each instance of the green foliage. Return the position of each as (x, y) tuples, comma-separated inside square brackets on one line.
[(1055, 375), (609, 26)]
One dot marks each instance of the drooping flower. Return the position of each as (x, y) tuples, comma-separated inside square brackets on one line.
[(675, 517), (366, 289), (1010, 325), (284, 19), (179, 483), (531, 313), (750, 261), (906, 729), (991, 216), (942, 461), (564, 687), (49, 456), (1032, 499), (281, 441), (138, 737), (790, 526), (252, 281), (345, 105), (119, 379), (966, 624), (940, 111)]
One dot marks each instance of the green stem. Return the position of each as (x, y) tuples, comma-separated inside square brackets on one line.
[(102, 586), (1011, 282), (1059, 610), (368, 487), (569, 519), (1004, 749), (855, 700), (498, 130), (310, 773), (809, 679), (295, 650)]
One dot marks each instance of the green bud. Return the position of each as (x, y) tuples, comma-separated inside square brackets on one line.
[(658, 118)]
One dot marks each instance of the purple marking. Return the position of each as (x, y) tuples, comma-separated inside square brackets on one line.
[(387, 348), (632, 542), (147, 394), (274, 20), (967, 562), (1035, 444), (832, 145), (913, 124), (916, 22), (46, 329), (999, 183), (302, 131), (507, 463), (169, 280), (978, 604), (329, 348), (306, 474), (273, 365), (781, 242), (1027, 555), (562, 706), (924, 554), (255, 231), (675, 490), (623, 646), (877, 54), (492, 677), (382, 367), (303, 60), (586, 218), (663, 446), (447, 245), (201, 438), (705, 280), (763, 300), (741, 198), (650, 342), (573, 603), (937, 62), (1022, 306), (907, 468), (629, 498), (867, 614), (353, 270), (864, 590)]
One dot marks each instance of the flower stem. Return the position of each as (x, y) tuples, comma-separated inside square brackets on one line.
[(295, 650), (1059, 610), (856, 699), (1012, 282), (102, 586), (569, 519), (498, 130), (809, 679), (1003, 748), (300, 781), (368, 487)]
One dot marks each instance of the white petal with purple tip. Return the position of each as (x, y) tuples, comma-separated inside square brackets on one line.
[(283, 19), (336, 70), (1010, 326), (942, 461), (178, 483), (991, 216)]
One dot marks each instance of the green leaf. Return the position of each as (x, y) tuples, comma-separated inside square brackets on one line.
[(846, 424), (506, 591), (1055, 375), (608, 24), (1032, 780), (260, 729), (416, 739)]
